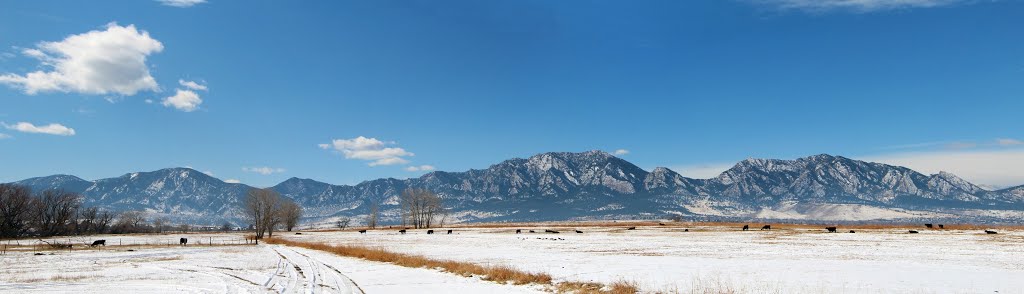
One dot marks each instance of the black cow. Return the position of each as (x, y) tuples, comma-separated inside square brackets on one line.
[(686, 230), (990, 232), (766, 227), (831, 229), (362, 231), (746, 227), (942, 226), (99, 242), (631, 228), (531, 231), (928, 226), (183, 241), (579, 232), (402, 231), (851, 232), (518, 231), (661, 224), (449, 232), (551, 231), (430, 232), (912, 232)]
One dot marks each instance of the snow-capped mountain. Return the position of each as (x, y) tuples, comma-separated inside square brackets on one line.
[(564, 185)]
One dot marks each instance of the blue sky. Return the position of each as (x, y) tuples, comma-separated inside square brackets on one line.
[(346, 91)]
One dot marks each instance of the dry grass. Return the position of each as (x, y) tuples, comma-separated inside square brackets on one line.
[(55, 278), (499, 273)]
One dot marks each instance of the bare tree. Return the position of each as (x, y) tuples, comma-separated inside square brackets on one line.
[(373, 216), (420, 207), (103, 222), (86, 223), (130, 222), (290, 213), (160, 223), (263, 208), (225, 227), (343, 222), (54, 210), (15, 210)]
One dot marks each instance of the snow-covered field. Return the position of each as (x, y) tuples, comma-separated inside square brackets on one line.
[(666, 259), (658, 259), (220, 269)]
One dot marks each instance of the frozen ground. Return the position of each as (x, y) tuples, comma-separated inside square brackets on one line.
[(666, 259), (220, 269)]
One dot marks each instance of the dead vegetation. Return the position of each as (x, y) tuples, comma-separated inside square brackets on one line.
[(496, 273)]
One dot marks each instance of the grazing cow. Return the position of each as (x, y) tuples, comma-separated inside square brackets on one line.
[(518, 231), (297, 233), (99, 242), (183, 241), (579, 232), (912, 232), (531, 231), (851, 232), (449, 232), (402, 231), (928, 226), (362, 231), (661, 224), (686, 230), (990, 232), (831, 229), (430, 232), (766, 227), (746, 227), (941, 226), (631, 228), (551, 231)]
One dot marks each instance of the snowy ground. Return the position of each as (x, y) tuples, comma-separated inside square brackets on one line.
[(220, 269), (666, 259)]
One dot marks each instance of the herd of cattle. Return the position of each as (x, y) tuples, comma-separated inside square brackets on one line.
[(745, 228), (184, 241)]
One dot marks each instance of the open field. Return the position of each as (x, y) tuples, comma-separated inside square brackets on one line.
[(709, 258), (800, 259), (220, 269)]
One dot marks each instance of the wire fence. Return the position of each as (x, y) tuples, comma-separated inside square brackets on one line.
[(126, 243)]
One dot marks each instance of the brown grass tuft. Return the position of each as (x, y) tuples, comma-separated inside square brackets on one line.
[(500, 273)]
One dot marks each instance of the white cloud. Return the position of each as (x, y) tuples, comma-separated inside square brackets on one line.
[(50, 129), (414, 168), (149, 101), (184, 100), (1000, 168), (1008, 142), (181, 3), (4, 136), (209, 173), (370, 149), (232, 181), (621, 152), (862, 6), (112, 61), (192, 85), (263, 170)]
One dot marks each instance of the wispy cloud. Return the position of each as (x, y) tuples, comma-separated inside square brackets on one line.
[(50, 129), (1008, 142), (958, 144), (232, 181), (4, 136), (859, 6), (621, 152), (414, 168), (181, 3), (369, 149), (263, 170), (1000, 168)]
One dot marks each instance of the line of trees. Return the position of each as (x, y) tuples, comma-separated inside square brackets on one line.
[(266, 210), (422, 208), (47, 213)]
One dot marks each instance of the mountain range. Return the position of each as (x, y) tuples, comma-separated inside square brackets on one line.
[(585, 185)]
